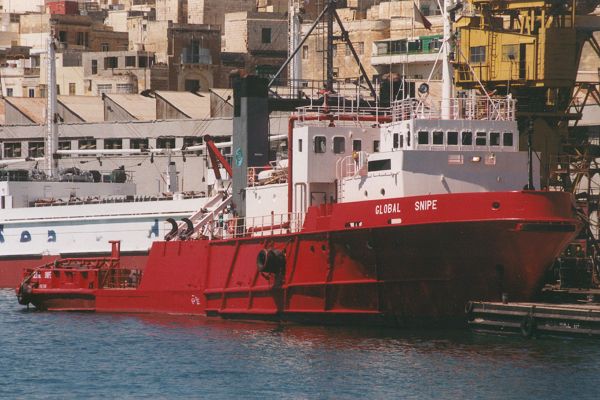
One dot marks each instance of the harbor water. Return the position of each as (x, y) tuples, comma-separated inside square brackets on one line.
[(87, 355)]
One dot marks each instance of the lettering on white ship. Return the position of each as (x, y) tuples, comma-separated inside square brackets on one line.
[(387, 208), (425, 205), (153, 229)]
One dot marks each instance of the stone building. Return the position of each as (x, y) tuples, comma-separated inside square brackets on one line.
[(258, 39), (71, 31), (190, 51)]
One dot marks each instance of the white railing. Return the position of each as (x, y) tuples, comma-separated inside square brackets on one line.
[(350, 166), (226, 227), (461, 108)]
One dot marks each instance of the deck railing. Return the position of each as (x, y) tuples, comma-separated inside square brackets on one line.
[(461, 108), (259, 226)]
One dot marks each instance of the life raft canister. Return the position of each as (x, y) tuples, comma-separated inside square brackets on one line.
[(270, 261)]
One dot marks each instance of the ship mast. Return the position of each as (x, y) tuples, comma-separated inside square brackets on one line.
[(295, 23), (447, 72), (51, 129)]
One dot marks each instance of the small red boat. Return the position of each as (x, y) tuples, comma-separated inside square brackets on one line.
[(70, 284), (394, 217)]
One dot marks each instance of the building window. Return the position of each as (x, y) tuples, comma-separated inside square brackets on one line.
[(478, 54), (36, 149), (305, 52), (192, 85), (113, 144), (94, 67), (111, 62), (104, 47), (104, 88), (510, 52), (266, 35), (507, 139), (141, 144), (145, 61), (9, 92), (71, 89), (42, 90), (87, 144), (360, 48), (31, 92), (124, 88), (130, 61), (165, 143), (64, 145), (12, 150), (320, 144), (62, 36), (348, 52), (81, 38), (339, 145), (58, 89)]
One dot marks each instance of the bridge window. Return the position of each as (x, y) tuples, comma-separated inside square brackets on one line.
[(64, 145), (320, 143), (87, 144), (481, 139), (396, 140), (339, 145), (507, 139), (113, 144), (138, 144), (467, 138), (165, 143), (36, 149), (375, 146), (478, 54), (379, 165), (12, 150), (494, 138), (438, 137), (452, 139), (423, 137), (356, 145), (300, 145)]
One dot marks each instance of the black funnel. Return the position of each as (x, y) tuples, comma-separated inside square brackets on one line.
[(250, 134)]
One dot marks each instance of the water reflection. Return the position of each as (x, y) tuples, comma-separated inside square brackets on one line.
[(141, 355)]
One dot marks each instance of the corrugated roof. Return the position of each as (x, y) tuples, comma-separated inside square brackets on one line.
[(190, 104), (88, 108), (33, 108), (142, 108)]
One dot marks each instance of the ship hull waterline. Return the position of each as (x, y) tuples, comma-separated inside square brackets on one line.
[(420, 268)]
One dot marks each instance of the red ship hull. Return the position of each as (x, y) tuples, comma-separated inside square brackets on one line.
[(394, 262)]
